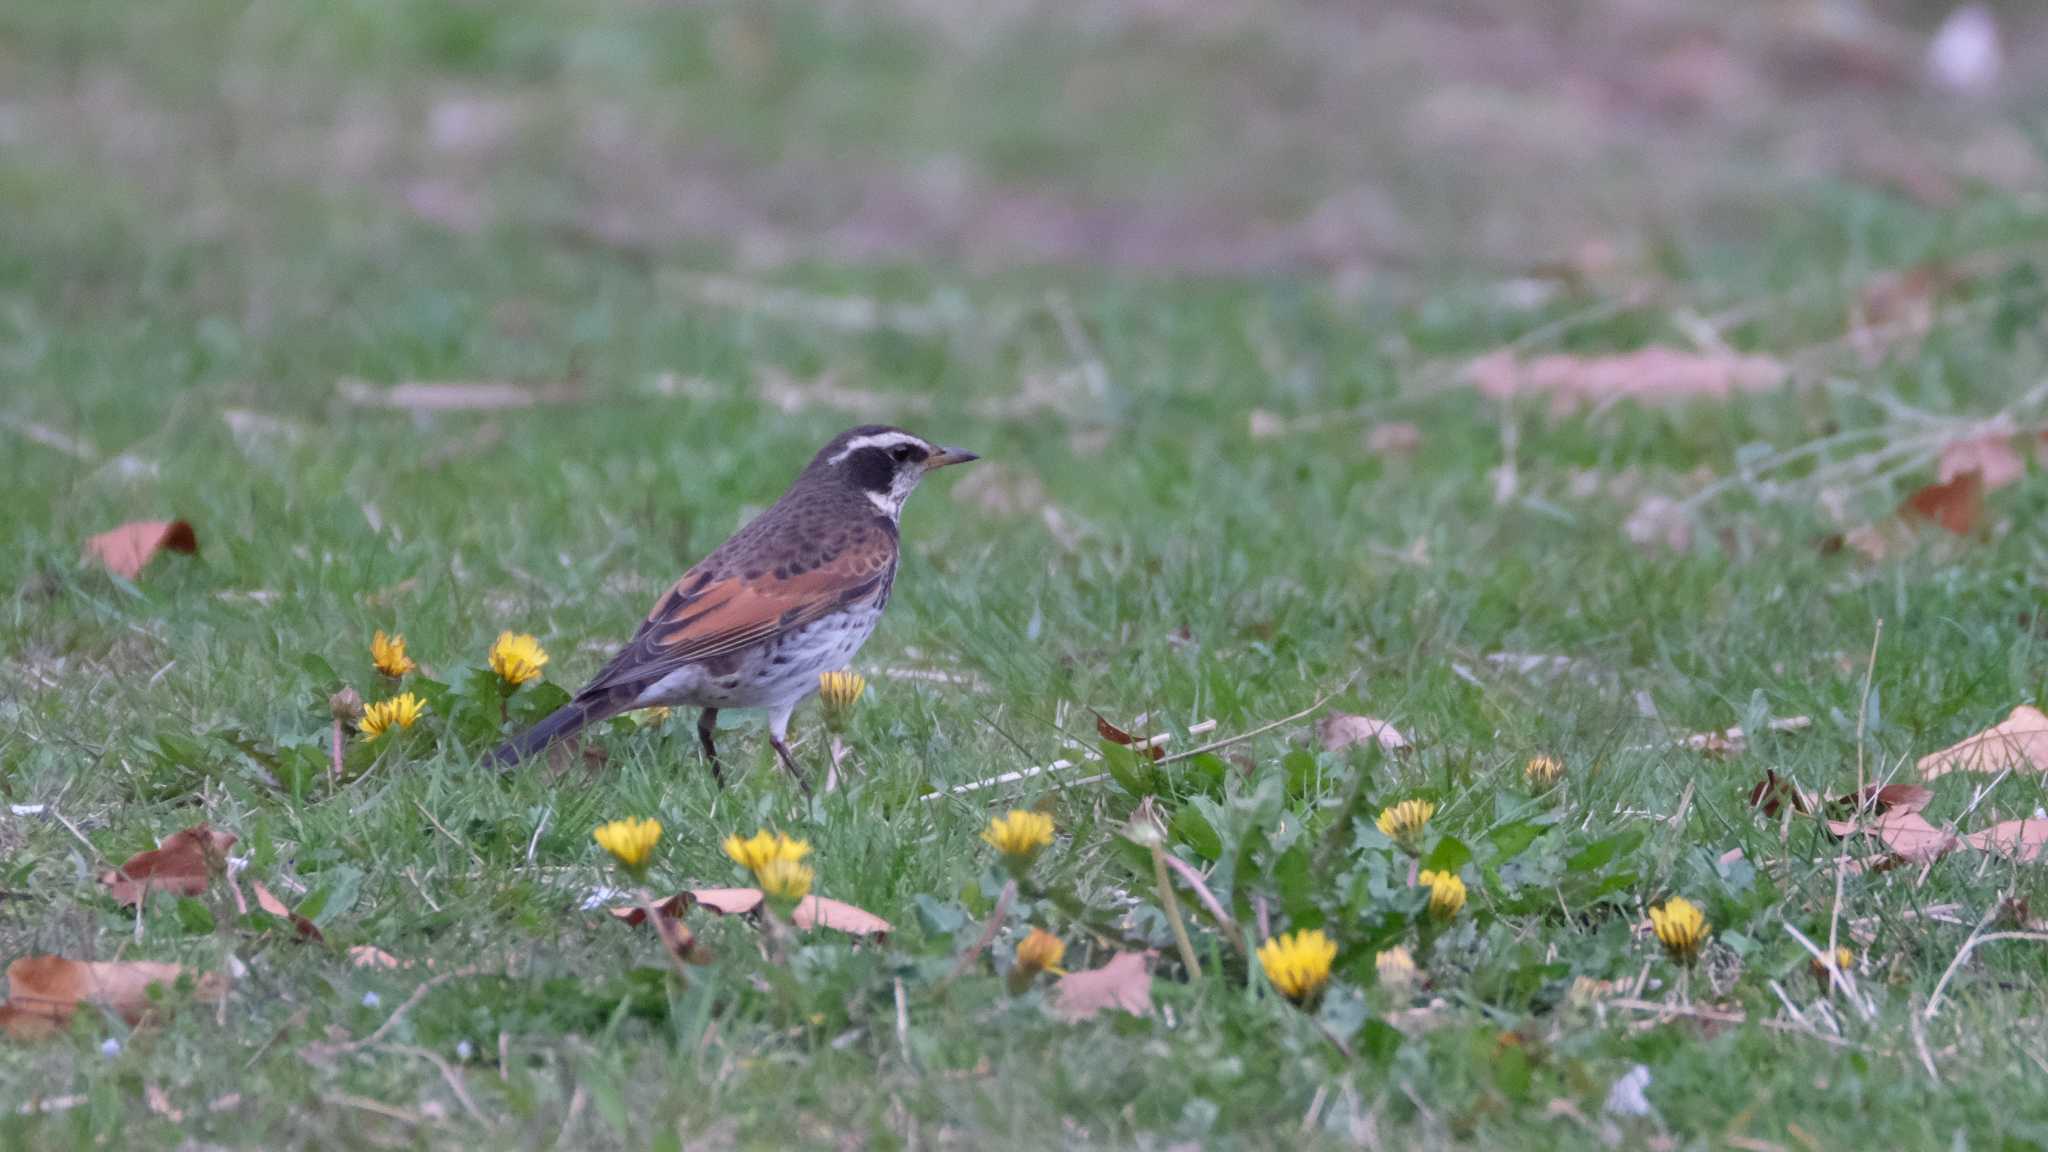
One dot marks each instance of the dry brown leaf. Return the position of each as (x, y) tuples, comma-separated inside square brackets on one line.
[(1125, 984), (183, 864), (44, 991), (1957, 505), (1340, 730), (2023, 840), (2019, 743), (1652, 375), (726, 901), (1993, 457), (277, 908), (455, 395), (126, 550), (1774, 791), (1908, 835)]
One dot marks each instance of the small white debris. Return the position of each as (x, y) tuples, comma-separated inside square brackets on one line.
[(27, 809), (371, 1000), (1626, 1097), (110, 1047), (464, 1051)]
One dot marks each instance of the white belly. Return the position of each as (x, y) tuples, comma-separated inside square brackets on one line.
[(774, 674)]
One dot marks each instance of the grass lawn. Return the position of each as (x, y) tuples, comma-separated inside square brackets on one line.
[(1217, 497)]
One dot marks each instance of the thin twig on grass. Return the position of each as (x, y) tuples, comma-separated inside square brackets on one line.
[(317, 1053), (1973, 943)]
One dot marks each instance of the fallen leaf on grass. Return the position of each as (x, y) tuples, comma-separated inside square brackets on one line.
[(1957, 505), (2022, 840), (1652, 375), (1125, 984), (1774, 791), (1887, 798), (45, 991), (1907, 835), (366, 956), (824, 912), (126, 550), (455, 395), (813, 912), (277, 908), (183, 864), (1339, 730), (2019, 743)]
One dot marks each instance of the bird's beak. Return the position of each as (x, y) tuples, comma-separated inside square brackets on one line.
[(945, 456)]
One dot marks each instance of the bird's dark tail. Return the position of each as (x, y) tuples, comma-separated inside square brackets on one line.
[(565, 721)]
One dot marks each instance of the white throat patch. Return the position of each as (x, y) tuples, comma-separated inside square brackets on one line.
[(890, 503)]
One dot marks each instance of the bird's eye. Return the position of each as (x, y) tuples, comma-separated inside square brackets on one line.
[(900, 453)]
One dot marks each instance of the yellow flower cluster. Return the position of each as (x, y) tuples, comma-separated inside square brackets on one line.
[(1404, 823), (401, 711), (1446, 893), (388, 654), (1298, 963), (631, 842), (1396, 970), (517, 658), (1021, 835), (1542, 772), (1681, 927), (776, 862)]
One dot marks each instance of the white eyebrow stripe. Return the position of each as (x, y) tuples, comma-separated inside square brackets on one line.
[(878, 440)]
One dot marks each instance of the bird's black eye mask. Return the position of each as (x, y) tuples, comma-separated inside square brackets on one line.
[(874, 469)]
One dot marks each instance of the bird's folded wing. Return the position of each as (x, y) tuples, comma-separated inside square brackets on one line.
[(704, 617)]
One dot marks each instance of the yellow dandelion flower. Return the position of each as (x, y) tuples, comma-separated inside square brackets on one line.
[(1542, 772), (631, 842), (1844, 961), (517, 658), (1019, 836), (1681, 927), (763, 849), (784, 880), (388, 654), (1404, 823), (841, 690), (1396, 970), (1298, 964), (653, 717), (401, 711), (1446, 893), (1041, 951)]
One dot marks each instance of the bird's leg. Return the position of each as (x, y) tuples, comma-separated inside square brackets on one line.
[(778, 737), (707, 723)]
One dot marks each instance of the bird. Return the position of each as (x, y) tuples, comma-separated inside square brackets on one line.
[(792, 594)]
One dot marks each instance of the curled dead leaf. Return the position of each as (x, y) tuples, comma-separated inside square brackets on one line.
[(813, 912), (1774, 791), (45, 991), (1116, 735), (2019, 742), (1339, 730), (126, 550), (1957, 505), (275, 907), (1887, 798), (182, 864), (1124, 984)]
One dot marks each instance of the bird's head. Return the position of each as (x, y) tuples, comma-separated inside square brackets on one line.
[(882, 463)]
